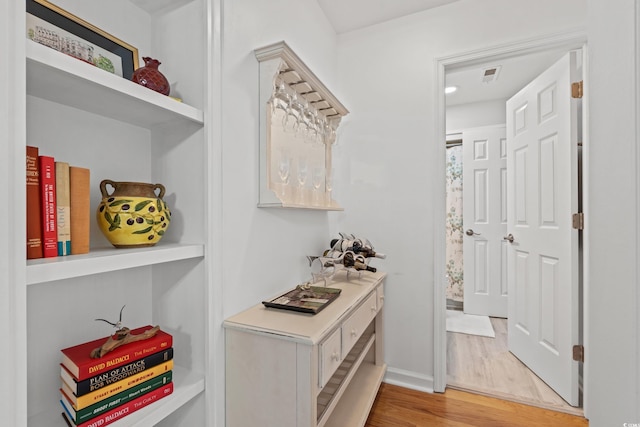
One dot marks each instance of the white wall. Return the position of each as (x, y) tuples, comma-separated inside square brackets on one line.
[(612, 353), (388, 155), (385, 156), (476, 114), (264, 248)]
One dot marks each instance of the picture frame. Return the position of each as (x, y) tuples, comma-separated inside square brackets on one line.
[(58, 29)]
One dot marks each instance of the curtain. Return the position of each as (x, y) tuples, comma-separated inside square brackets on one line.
[(454, 224)]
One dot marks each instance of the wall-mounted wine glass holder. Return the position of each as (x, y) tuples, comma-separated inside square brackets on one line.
[(299, 118)]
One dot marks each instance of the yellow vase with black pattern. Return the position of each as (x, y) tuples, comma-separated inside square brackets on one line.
[(134, 214)]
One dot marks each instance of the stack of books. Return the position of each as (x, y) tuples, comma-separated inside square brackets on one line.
[(99, 391), (58, 207)]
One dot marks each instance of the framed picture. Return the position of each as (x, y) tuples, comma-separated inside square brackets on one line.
[(58, 29)]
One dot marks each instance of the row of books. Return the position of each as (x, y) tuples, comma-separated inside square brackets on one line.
[(58, 207), (99, 391)]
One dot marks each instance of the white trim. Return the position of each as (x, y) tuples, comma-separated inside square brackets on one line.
[(586, 232), (573, 39), (636, 92), (215, 385), (409, 379), (439, 241), (13, 309)]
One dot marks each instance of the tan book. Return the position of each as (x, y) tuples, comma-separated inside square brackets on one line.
[(63, 208), (80, 202)]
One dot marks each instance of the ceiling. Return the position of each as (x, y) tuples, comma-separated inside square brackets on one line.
[(348, 15), (514, 74)]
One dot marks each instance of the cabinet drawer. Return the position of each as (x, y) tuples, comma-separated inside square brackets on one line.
[(380, 294), (329, 357), (355, 325)]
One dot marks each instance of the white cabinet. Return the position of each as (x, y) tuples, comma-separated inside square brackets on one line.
[(121, 131), (286, 368)]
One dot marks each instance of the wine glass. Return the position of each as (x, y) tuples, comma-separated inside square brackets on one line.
[(284, 165), (317, 177), (302, 177), (280, 98), (291, 117), (328, 185)]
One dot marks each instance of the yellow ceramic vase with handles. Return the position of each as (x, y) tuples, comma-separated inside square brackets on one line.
[(133, 215)]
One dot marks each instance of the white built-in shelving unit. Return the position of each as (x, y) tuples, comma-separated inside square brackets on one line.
[(121, 131)]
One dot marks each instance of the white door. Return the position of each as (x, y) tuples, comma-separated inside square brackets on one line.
[(542, 193), (484, 213)]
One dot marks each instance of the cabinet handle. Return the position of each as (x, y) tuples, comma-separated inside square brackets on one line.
[(335, 356), (354, 333), (373, 308)]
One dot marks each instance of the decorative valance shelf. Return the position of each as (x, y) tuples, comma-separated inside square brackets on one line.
[(299, 118)]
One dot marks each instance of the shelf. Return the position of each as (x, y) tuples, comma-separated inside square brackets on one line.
[(187, 385), (334, 206), (60, 78), (355, 404), (299, 119), (330, 396), (101, 260), (153, 6)]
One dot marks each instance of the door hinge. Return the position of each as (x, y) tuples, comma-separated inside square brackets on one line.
[(578, 221), (578, 353), (576, 89)]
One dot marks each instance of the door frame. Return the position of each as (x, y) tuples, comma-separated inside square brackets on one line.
[(564, 40)]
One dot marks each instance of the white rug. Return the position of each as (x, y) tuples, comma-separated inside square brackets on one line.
[(470, 324)]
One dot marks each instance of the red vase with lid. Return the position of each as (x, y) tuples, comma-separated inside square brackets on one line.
[(149, 76)]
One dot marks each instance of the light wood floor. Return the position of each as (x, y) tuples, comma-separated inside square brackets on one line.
[(485, 365), (400, 407)]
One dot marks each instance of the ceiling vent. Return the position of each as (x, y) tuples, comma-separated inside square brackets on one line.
[(490, 75)]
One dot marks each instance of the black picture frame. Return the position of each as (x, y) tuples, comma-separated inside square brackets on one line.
[(91, 34)]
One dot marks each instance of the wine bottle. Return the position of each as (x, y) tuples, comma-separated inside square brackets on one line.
[(366, 250), (352, 260), (357, 247), (346, 259)]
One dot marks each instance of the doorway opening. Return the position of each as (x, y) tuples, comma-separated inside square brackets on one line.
[(460, 353)]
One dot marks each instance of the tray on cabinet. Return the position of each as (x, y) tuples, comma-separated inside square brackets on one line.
[(305, 299)]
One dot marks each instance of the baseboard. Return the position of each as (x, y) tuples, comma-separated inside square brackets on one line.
[(454, 305), (408, 379)]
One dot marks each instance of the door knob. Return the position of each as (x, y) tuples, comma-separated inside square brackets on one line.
[(470, 232), (509, 238)]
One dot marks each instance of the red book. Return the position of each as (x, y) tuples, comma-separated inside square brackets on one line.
[(48, 204), (123, 410), (34, 218), (81, 365)]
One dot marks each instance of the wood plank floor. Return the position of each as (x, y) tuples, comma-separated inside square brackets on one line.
[(401, 407), (485, 365)]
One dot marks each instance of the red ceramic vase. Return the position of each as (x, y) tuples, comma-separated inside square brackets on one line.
[(149, 76)]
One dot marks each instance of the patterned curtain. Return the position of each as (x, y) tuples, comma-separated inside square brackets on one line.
[(454, 224)]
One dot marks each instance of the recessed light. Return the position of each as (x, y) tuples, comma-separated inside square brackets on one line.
[(450, 89)]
